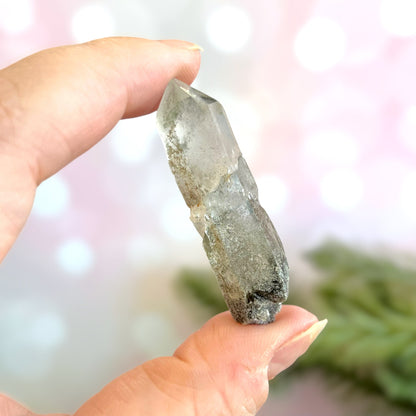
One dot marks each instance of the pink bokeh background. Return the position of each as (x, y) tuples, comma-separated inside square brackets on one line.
[(322, 98)]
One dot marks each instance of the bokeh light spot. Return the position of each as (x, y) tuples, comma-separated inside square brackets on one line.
[(52, 197), (75, 257), (131, 139), (398, 17), (273, 193), (331, 147), (228, 28), (342, 190), (320, 44), (16, 16), (92, 21)]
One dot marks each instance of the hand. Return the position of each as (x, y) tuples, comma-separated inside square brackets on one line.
[(54, 106)]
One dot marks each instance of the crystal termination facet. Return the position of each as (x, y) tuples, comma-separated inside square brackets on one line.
[(239, 238)]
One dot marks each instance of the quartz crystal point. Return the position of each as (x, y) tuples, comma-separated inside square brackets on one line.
[(239, 238)]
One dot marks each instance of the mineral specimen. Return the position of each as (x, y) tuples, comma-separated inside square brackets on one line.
[(239, 238)]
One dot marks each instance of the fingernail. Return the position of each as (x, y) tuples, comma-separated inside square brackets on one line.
[(288, 353), (182, 44), (196, 47)]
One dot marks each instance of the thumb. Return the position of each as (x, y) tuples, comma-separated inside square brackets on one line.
[(221, 369), (56, 104)]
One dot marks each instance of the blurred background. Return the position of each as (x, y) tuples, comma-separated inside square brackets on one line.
[(322, 99)]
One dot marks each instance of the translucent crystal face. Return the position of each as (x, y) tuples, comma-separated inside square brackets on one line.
[(241, 242), (184, 114)]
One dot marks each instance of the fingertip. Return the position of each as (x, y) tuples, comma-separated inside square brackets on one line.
[(290, 317), (252, 345), (190, 58), (177, 59), (146, 66), (240, 355)]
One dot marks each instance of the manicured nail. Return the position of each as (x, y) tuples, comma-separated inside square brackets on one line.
[(289, 352), (196, 47)]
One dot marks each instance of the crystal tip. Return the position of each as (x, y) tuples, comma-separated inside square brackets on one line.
[(175, 85)]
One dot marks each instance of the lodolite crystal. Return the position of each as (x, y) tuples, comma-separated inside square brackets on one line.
[(239, 238)]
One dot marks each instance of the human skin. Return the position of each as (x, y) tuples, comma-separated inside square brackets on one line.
[(54, 106)]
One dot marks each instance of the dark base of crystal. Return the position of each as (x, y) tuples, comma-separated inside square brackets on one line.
[(259, 311)]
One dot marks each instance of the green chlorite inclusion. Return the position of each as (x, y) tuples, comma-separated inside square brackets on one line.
[(239, 238)]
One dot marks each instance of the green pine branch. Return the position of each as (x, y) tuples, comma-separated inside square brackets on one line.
[(371, 334)]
